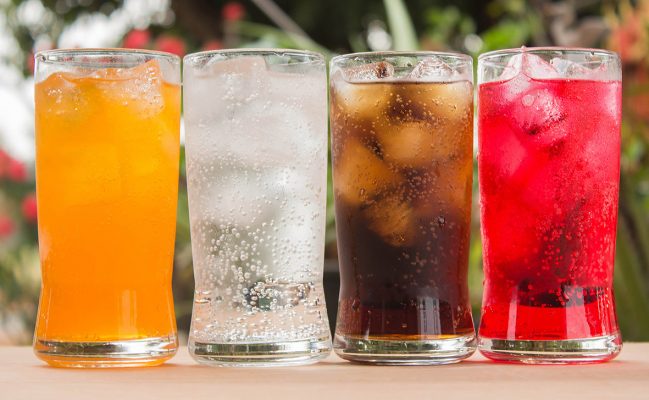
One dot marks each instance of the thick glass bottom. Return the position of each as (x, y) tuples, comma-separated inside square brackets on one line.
[(272, 354), (405, 352), (118, 353), (574, 351)]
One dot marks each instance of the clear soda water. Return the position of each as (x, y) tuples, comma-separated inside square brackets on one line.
[(256, 155)]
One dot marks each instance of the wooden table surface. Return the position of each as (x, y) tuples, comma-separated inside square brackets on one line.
[(22, 376)]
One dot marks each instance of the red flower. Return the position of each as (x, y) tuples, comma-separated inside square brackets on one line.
[(137, 39), (233, 11), (170, 44), (638, 101), (28, 207), (29, 62), (7, 226), (213, 44), (4, 163), (16, 171)]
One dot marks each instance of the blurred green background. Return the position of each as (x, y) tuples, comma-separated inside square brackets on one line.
[(331, 27)]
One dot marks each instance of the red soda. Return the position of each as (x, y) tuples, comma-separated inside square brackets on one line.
[(549, 165)]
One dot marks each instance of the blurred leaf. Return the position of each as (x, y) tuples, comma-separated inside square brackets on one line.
[(357, 43), (506, 34), (401, 26), (448, 26)]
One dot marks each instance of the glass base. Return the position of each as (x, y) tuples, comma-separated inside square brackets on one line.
[(575, 351), (273, 354), (405, 352), (119, 353)]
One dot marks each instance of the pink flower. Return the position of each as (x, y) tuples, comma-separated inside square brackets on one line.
[(233, 11), (16, 170), (213, 44), (137, 39), (28, 207), (170, 44), (7, 226)]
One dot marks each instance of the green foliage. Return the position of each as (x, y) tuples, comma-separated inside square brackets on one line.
[(447, 26), (504, 35)]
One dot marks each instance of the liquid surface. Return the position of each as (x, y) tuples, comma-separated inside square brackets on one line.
[(402, 159), (549, 160), (107, 148)]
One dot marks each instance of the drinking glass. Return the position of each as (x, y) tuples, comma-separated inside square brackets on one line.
[(549, 167), (256, 147), (107, 153), (401, 126)]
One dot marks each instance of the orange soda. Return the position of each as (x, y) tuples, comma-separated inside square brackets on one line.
[(107, 155)]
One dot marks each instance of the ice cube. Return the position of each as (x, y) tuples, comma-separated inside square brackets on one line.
[(392, 219), (230, 196), (261, 118), (297, 205), (446, 187), (222, 66), (513, 68), (448, 106), (360, 175), (360, 101), (504, 153), (411, 144), (539, 116), (531, 65), (231, 85), (368, 72), (63, 97), (138, 88), (569, 69), (432, 69), (535, 110), (573, 70)]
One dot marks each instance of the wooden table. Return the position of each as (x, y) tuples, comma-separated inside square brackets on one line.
[(22, 376)]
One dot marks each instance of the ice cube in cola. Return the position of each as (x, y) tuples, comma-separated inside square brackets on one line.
[(402, 222)]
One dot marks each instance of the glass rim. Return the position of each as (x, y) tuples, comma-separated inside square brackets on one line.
[(399, 53), (54, 56), (546, 49), (312, 56)]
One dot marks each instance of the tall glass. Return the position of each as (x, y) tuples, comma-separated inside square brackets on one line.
[(107, 152), (402, 127), (549, 162), (257, 173)]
